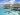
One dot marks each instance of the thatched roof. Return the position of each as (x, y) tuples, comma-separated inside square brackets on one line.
[(16, 5)]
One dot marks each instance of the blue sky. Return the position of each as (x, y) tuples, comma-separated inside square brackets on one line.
[(17, 0), (3, 1), (9, 0)]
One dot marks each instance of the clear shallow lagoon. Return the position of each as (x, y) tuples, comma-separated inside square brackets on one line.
[(3, 12)]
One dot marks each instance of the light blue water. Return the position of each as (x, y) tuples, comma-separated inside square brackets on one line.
[(2, 12)]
